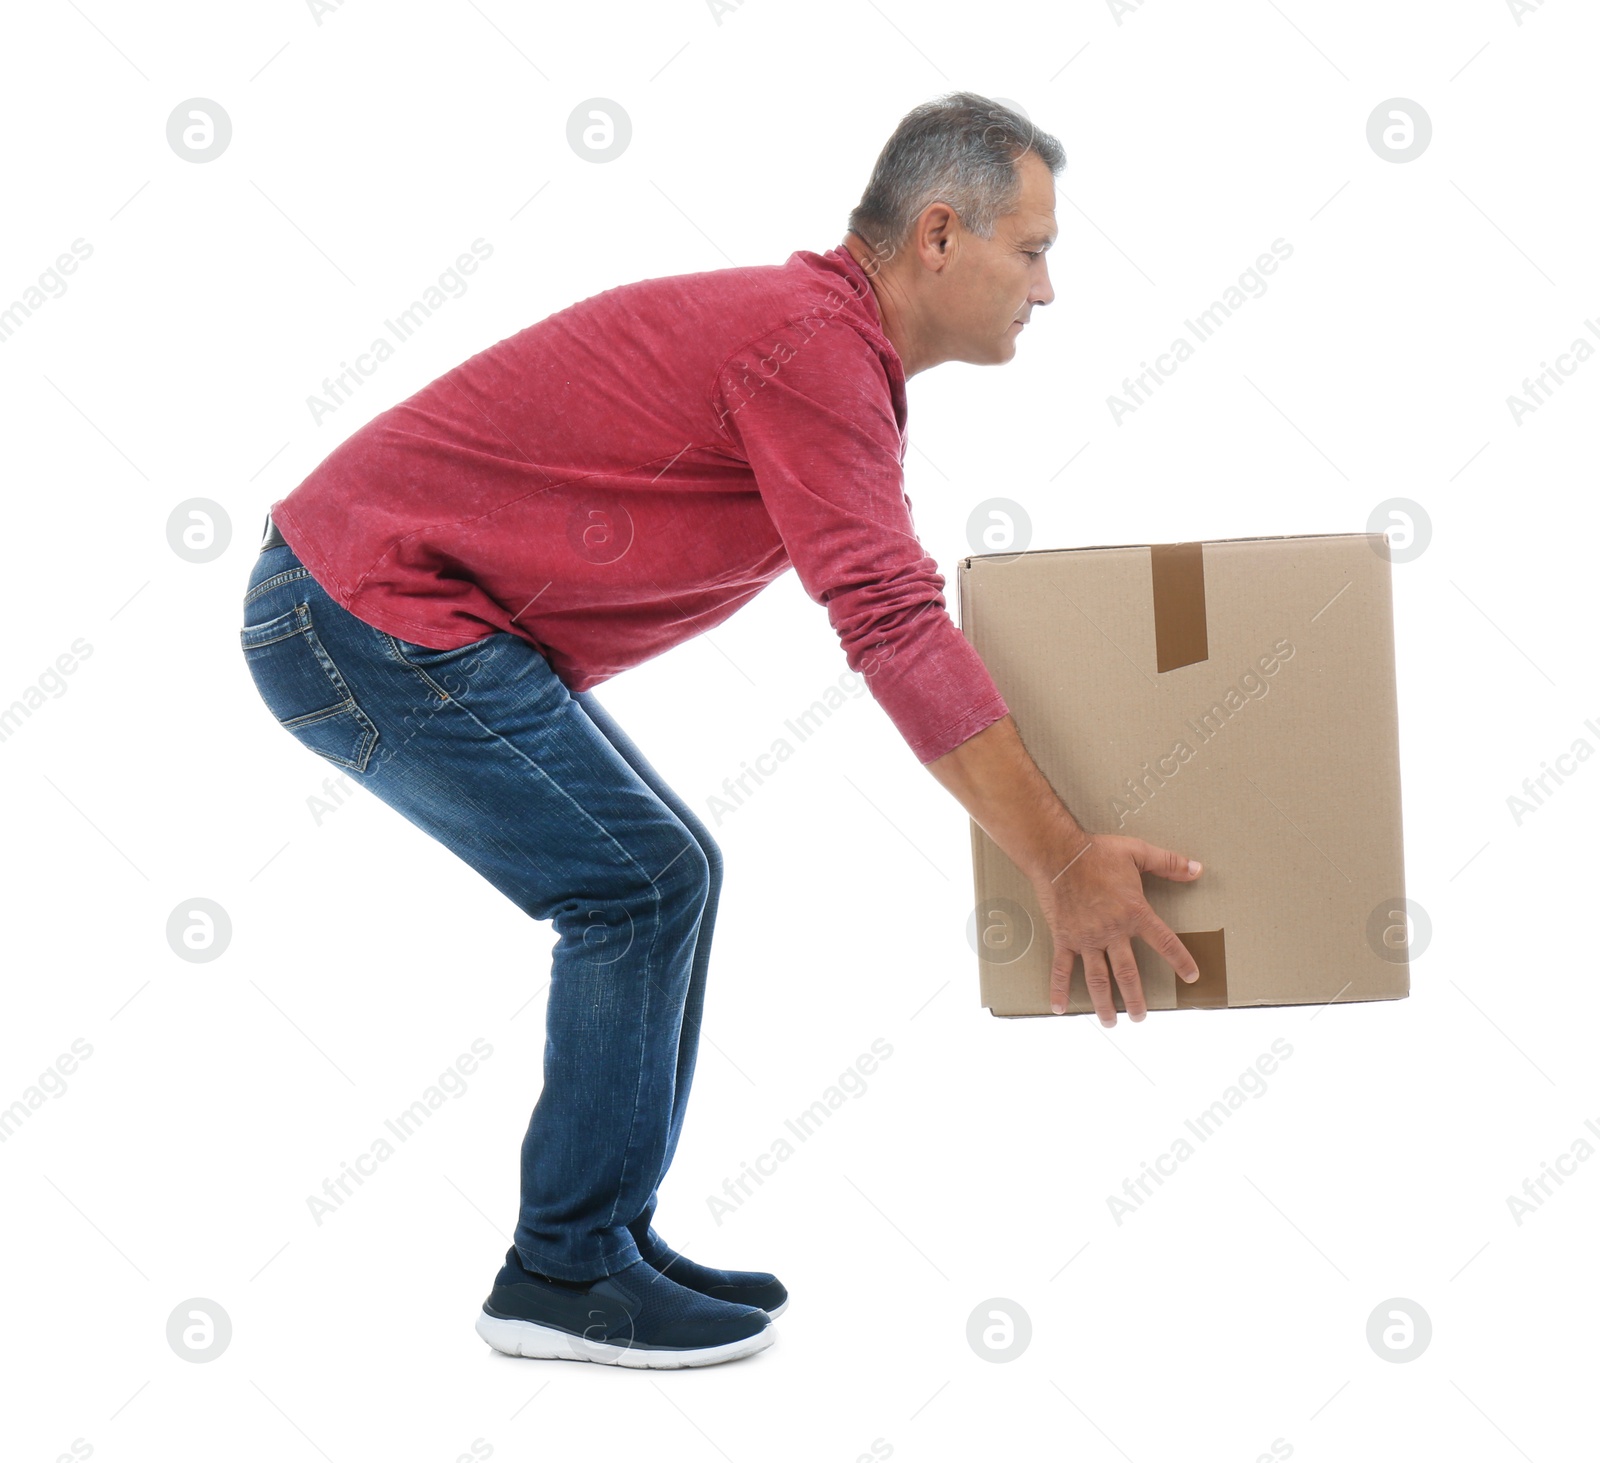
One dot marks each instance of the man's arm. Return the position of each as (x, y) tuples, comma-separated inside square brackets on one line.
[(1088, 886), (819, 432), (992, 776)]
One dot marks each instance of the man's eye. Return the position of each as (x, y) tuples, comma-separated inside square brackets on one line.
[(1034, 253)]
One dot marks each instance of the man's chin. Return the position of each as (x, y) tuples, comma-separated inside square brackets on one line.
[(996, 354)]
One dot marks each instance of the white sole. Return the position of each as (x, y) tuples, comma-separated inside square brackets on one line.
[(781, 1309), (529, 1339)]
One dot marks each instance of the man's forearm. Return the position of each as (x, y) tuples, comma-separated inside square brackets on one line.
[(992, 776)]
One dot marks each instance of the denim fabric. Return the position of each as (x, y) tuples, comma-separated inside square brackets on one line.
[(544, 795)]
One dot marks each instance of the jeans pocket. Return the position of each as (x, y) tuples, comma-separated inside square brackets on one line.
[(303, 689), (447, 672)]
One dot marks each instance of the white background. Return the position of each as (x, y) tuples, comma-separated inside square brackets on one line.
[(368, 151)]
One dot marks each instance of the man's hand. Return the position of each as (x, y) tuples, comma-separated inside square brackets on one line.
[(1088, 887), (1094, 904)]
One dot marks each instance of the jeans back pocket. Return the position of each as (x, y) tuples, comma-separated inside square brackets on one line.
[(303, 689)]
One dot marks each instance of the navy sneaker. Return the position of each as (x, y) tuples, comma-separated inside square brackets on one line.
[(741, 1287), (635, 1318)]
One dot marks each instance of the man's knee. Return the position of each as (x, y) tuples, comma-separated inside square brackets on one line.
[(690, 869), (713, 856), (708, 845)]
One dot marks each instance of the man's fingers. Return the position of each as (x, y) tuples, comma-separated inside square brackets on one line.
[(1061, 977), (1165, 862), (1098, 978), (1171, 949), (1126, 970)]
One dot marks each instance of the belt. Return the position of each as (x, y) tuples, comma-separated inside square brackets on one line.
[(274, 539)]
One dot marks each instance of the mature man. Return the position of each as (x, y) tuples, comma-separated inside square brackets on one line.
[(434, 603)]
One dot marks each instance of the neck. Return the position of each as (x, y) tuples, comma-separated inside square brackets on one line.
[(894, 307)]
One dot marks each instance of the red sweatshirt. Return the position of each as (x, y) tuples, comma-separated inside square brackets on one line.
[(632, 469)]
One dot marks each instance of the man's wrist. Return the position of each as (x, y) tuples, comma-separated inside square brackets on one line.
[(1064, 844)]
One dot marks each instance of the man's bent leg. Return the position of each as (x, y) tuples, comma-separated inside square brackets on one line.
[(484, 748), (694, 1003), (519, 783), (620, 979)]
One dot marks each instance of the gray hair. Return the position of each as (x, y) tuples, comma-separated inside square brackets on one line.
[(961, 149)]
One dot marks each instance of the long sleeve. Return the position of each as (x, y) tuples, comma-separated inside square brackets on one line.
[(810, 409)]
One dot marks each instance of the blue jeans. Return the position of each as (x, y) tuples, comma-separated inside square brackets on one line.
[(537, 789)]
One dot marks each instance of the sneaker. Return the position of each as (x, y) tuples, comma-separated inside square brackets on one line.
[(741, 1287), (635, 1318)]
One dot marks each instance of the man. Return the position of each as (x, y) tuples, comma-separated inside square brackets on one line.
[(433, 605)]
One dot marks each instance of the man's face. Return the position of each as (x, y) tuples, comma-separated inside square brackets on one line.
[(997, 281)]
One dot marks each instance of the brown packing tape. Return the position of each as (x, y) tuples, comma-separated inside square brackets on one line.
[(1211, 959), (1210, 992), (1178, 592)]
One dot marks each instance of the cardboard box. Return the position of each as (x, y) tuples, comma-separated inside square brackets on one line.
[(1233, 700)]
